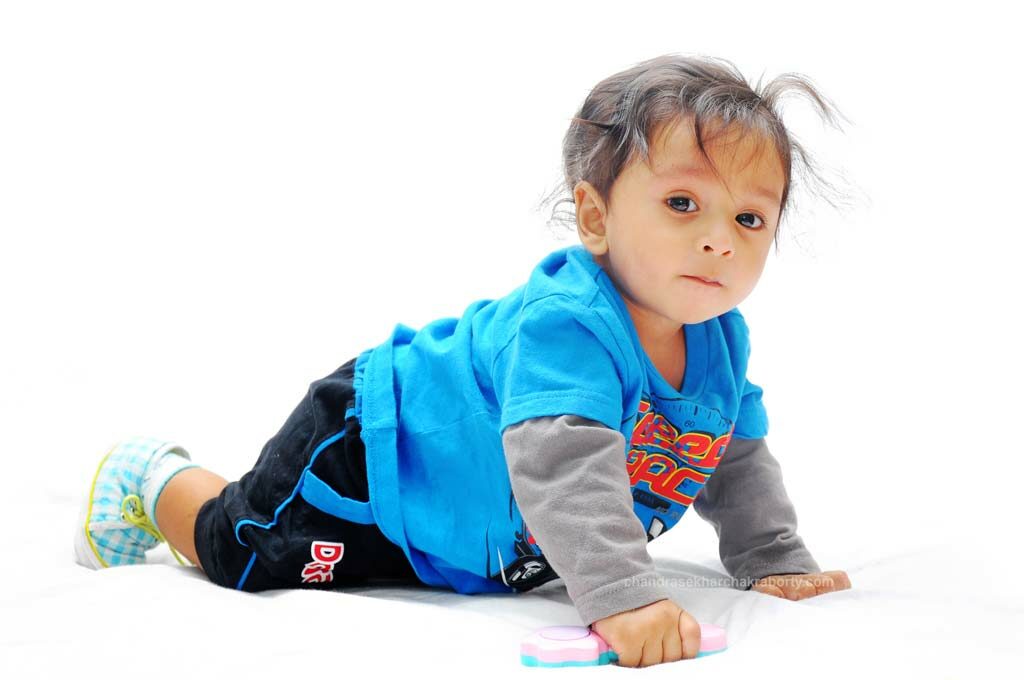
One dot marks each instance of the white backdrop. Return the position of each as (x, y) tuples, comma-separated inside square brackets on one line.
[(205, 206)]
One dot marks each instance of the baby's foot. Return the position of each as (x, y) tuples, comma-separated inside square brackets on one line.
[(113, 528)]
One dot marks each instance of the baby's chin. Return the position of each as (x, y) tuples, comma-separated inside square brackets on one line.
[(717, 304)]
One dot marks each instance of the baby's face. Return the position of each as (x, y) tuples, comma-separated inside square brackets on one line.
[(663, 222)]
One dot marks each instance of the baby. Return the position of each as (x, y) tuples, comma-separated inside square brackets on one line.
[(548, 434)]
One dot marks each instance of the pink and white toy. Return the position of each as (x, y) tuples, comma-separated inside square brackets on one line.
[(558, 646)]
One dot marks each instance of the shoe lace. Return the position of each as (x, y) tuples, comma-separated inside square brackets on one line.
[(132, 512)]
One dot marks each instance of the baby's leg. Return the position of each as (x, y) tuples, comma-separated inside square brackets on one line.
[(179, 503)]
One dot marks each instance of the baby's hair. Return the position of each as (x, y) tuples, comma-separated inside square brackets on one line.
[(622, 113)]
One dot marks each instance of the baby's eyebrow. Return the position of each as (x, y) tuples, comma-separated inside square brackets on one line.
[(681, 172)]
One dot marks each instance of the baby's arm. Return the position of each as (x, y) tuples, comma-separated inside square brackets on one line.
[(570, 483), (746, 502)]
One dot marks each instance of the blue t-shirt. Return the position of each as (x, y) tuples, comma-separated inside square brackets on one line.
[(433, 404)]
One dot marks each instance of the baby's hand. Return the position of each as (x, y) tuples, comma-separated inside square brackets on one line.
[(801, 586), (656, 633)]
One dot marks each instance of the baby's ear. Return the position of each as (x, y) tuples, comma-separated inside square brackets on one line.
[(590, 214)]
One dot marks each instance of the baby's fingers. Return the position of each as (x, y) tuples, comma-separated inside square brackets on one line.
[(801, 586), (840, 580), (798, 588), (787, 586), (828, 581)]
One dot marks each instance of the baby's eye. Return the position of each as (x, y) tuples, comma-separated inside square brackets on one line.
[(754, 226), (682, 198)]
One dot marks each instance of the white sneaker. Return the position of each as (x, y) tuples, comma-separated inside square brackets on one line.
[(113, 529)]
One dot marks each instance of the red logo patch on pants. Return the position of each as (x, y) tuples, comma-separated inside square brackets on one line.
[(325, 556)]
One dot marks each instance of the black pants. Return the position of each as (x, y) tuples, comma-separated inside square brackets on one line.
[(300, 518)]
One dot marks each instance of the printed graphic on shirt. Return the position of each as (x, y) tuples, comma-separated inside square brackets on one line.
[(672, 452), (325, 555)]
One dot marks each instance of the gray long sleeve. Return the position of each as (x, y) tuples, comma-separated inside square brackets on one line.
[(571, 486), (746, 502), (570, 483)]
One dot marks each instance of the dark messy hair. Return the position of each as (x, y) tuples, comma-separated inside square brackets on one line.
[(622, 113)]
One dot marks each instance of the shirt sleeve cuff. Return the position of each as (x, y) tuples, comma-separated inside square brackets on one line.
[(799, 562), (619, 596)]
